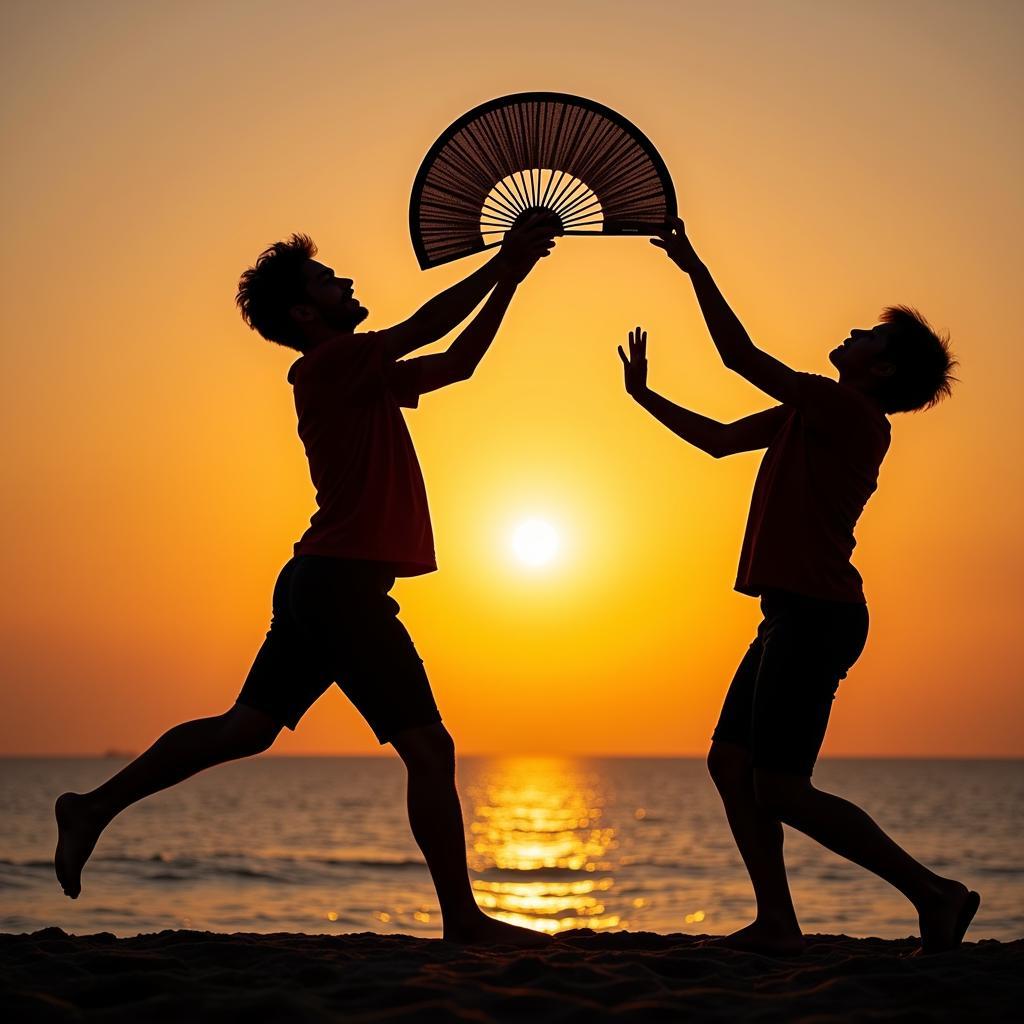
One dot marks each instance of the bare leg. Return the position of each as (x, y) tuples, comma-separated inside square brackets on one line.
[(944, 906), (180, 753), (759, 837), (435, 815)]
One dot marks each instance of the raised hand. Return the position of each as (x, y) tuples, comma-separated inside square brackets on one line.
[(635, 367), (672, 238), (528, 242)]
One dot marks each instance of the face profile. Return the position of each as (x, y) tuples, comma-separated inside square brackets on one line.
[(329, 298), (861, 350)]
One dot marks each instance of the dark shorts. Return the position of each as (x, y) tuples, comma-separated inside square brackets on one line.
[(779, 701), (334, 622)]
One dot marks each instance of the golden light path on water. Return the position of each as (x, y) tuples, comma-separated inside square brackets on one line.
[(541, 818), (557, 844)]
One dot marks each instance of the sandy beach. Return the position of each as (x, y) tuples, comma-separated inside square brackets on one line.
[(204, 976)]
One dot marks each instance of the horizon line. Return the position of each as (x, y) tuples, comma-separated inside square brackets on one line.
[(120, 755)]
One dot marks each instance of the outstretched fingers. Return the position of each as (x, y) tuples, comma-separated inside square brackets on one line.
[(638, 342), (634, 366)]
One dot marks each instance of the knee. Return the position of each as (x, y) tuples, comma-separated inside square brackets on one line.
[(429, 749), (779, 794), (246, 731), (729, 767)]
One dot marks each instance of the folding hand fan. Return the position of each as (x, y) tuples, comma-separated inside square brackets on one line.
[(588, 165)]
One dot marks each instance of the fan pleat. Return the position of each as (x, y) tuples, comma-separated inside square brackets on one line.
[(590, 166)]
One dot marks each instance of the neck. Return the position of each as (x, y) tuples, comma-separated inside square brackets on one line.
[(862, 387), (316, 334)]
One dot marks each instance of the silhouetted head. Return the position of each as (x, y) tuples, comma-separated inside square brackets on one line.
[(901, 362), (292, 299)]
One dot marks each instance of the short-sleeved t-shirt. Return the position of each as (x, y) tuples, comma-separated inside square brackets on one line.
[(371, 501), (820, 468)]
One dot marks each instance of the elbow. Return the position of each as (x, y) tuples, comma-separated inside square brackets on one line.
[(720, 446), (430, 328), (734, 361), (462, 370), (738, 359)]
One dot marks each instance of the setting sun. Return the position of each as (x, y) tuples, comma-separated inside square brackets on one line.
[(535, 543)]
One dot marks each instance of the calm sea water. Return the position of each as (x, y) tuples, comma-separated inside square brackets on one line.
[(323, 845)]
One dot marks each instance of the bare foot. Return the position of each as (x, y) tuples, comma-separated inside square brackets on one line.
[(946, 917), (763, 938), (485, 931), (77, 832)]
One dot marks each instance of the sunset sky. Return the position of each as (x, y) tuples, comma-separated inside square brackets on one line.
[(830, 159)]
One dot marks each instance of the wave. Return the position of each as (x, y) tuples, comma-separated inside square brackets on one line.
[(689, 867), (174, 868), (533, 874), (364, 862), (275, 866), (235, 871), (214, 862)]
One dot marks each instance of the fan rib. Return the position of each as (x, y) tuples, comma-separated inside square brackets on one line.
[(570, 193), (569, 156), (553, 160)]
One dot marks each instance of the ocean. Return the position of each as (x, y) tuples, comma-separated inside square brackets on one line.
[(322, 845)]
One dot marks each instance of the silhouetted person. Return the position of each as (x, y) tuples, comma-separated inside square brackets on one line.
[(825, 443), (333, 618)]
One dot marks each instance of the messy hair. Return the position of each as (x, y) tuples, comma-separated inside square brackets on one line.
[(268, 290), (922, 362)]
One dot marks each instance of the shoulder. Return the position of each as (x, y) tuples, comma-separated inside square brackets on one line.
[(344, 346), (819, 397), (817, 385), (343, 352), (840, 410), (830, 395)]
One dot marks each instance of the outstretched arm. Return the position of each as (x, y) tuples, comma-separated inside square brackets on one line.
[(443, 312), (738, 352), (463, 356), (446, 311), (717, 439)]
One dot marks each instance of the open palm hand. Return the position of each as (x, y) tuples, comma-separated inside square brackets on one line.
[(635, 365)]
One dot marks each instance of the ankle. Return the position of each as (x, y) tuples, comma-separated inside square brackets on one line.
[(780, 921), (96, 808), (457, 919), (934, 889)]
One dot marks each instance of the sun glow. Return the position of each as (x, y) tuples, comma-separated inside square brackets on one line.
[(535, 543)]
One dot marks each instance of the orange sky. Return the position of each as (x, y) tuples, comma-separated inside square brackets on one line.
[(830, 159)]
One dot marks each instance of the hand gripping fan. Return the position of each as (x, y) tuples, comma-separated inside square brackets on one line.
[(586, 164)]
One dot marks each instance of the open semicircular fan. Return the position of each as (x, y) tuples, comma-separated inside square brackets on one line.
[(598, 173)]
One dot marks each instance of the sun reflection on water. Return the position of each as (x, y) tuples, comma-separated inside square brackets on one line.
[(537, 834)]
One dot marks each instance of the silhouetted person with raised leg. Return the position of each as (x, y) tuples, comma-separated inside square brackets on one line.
[(825, 443), (333, 619)]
